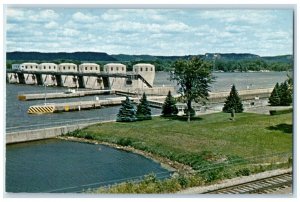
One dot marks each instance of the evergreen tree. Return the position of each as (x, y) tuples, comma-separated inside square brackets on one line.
[(127, 112), (285, 94), (274, 99), (169, 107), (143, 109), (233, 102)]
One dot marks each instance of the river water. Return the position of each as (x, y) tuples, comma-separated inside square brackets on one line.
[(62, 166)]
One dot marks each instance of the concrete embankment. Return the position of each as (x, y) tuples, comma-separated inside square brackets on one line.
[(58, 95), (244, 94), (162, 91), (45, 133), (92, 104)]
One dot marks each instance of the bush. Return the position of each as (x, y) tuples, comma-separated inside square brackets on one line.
[(183, 181), (282, 111), (243, 172), (213, 175), (88, 136), (124, 142)]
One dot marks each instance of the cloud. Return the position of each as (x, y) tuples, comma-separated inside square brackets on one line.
[(70, 32), (111, 16), (48, 14), (128, 26), (11, 27), (51, 25), (80, 17), (41, 16), (149, 31), (15, 13), (232, 16)]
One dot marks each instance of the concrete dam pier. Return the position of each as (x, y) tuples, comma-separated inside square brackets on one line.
[(86, 75)]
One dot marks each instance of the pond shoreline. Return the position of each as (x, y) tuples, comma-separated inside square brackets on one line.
[(169, 165)]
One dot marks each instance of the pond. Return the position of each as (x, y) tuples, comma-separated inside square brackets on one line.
[(60, 166)]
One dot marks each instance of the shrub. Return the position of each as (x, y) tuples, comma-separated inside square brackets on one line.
[(282, 111), (243, 172), (124, 142), (183, 181), (88, 136), (213, 175)]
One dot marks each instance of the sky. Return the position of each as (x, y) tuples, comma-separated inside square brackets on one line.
[(265, 32)]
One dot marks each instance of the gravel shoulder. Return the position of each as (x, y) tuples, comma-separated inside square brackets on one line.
[(236, 181)]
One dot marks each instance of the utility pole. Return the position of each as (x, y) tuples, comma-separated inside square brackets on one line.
[(45, 93)]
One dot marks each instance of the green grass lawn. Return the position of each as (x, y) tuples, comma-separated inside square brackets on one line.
[(206, 139)]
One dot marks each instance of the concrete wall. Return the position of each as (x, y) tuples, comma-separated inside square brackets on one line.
[(115, 83), (28, 66), (12, 78), (145, 70), (244, 95), (38, 134), (149, 91), (90, 81), (30, 78), (47, 78), (15, 66), (68, 81)]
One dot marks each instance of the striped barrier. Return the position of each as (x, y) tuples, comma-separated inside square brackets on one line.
[(41, 109)]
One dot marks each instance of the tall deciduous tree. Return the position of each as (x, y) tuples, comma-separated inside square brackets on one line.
[(193, 77), (169, 107), (127, 112), (143, 109), (233, 102)]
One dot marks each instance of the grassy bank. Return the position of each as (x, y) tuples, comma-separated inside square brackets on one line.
[(209, 143)]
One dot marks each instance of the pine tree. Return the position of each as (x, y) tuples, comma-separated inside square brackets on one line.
[(143, 109), (169, 107), (274, 99), (233, 102), (285, 94), (127, 112)]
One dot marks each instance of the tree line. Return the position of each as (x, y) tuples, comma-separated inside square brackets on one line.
[(167, 64), (251, 65)]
